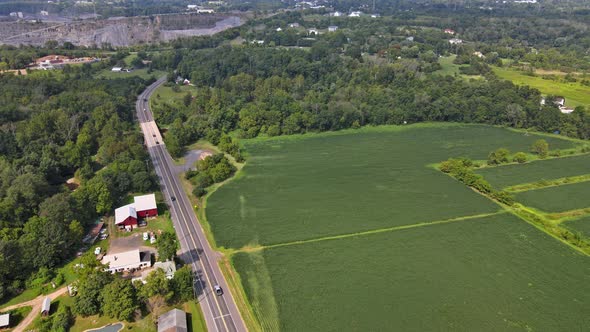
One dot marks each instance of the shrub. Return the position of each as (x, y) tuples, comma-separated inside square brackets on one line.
[(520, 157)]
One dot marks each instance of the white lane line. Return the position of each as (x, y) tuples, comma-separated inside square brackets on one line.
[(222, 316)]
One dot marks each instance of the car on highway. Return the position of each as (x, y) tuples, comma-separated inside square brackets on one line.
[(173, 198), (218, 290), (157, 142), (144, 99)]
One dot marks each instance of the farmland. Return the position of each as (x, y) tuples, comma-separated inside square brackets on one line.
[(575, 93), (581, 225), (557, 199), (301, 187), (488, 274), (510, 175)]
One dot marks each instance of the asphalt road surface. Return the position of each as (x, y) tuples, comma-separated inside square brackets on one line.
[(220, 311)]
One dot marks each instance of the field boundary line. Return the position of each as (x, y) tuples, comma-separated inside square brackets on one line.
[(370, 232), (518, 188)]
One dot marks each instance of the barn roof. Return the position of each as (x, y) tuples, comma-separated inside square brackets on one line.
[(124, 212), (145, 202)]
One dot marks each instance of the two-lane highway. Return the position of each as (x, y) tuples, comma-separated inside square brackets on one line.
[(220, 311)]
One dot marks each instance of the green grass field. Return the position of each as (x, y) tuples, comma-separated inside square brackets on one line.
[(510, 175), (557, 199), (309, 186), (581, 225), (575, 94), (490, 274)]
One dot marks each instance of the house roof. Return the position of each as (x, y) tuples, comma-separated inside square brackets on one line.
[(168, 266), (124, 212), (173, 320), (122, 259), (4, 320), (46, 306), (145, 202)]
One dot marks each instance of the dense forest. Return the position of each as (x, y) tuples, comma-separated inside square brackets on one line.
[(368, 72), (56, 125)]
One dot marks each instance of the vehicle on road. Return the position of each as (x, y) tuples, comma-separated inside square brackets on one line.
[(144, 99), (173, 198), (157, 142), (218, 290)]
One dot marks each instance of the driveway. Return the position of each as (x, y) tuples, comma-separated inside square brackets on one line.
[(36, 305), (127, 243)]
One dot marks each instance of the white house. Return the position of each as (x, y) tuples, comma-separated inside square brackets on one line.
[(191, 7), (455, 41), (355, 14), (129, 260), (314, 31), (332, 28), (117, 69), (44, 13), (336, 14), (294, 25), (205, 11), (279, 29)]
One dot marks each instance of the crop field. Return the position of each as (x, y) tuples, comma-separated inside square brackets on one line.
[(488, 274), (509, 175), (581, 225), (310, 186), (575, 94), (557, 199)]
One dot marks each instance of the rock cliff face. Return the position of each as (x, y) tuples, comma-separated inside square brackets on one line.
[(117, 31)]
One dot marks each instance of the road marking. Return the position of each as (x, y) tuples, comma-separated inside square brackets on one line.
[(222, 316), (174, 186)]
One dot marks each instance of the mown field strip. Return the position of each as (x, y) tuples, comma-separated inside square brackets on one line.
[(376, 231)]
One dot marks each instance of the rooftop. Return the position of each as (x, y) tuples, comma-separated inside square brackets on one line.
[(172, 321), (124, 259), (125, 212), (46, 305), (145, 202), (4, 320)]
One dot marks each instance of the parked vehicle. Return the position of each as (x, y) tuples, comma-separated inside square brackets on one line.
[(145, 236), (153, 239)]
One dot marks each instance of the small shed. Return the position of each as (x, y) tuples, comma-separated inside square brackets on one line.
[(46, 306), (4, 320), (117, 69), (172, 321)]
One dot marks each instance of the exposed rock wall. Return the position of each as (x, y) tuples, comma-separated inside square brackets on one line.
[(117, 31)]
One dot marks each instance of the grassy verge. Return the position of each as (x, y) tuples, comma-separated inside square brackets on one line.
[(17, 316), (195, 317), (236, 286)]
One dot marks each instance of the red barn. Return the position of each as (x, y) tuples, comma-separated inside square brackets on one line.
[(126, 217), (145, 206)]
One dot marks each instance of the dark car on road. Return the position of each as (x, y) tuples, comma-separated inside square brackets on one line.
[(218, 290)]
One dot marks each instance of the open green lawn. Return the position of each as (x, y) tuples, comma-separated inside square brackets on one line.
[(575, 94), (17, 315), (448, 67), (581, 225), (557, 199), (310, 186), (510, 175), (489, 274)]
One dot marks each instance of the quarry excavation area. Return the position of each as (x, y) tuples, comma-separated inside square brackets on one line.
[(123, 31)]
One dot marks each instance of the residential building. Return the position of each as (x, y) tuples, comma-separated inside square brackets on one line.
[(332, 28), (117, 69), (449, 31), (355, 14), (169, 268), (172, 321), (294, 25), (455, 41), (44, 13), (313, 31), (128, 260)]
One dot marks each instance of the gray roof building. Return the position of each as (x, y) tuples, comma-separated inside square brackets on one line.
[(172, 321)]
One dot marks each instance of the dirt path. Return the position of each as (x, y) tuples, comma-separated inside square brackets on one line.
[(36, 308)]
